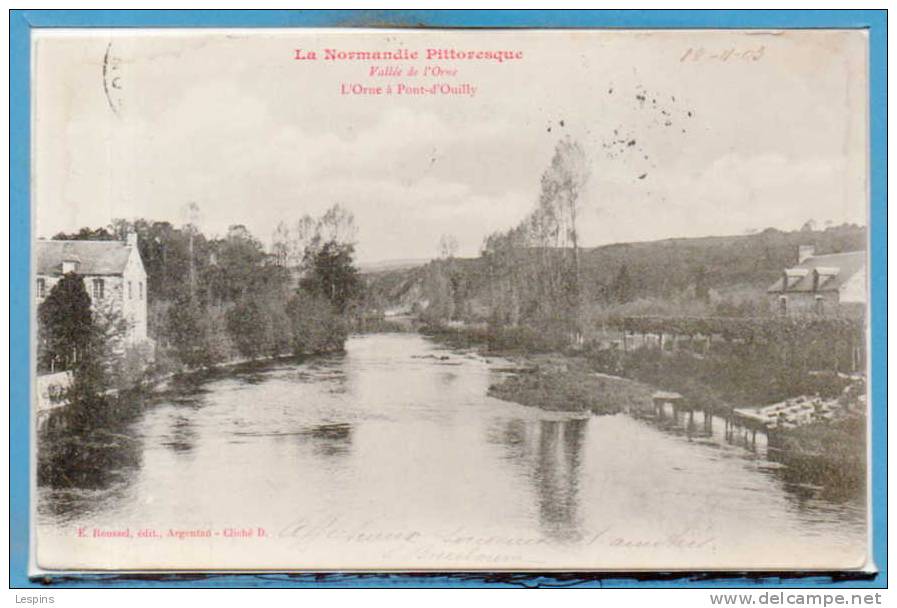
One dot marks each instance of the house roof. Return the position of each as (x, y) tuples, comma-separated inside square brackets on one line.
[(93, 257), (834, 270)]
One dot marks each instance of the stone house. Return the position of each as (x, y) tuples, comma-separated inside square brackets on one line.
[(831, 284), (113, 275)]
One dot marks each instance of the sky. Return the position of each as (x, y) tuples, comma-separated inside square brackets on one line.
[(687, 133)]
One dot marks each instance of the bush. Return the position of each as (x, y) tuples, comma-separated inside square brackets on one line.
[(527, 339), (187, 329), (316, 326), (132, 367), (249, 328)]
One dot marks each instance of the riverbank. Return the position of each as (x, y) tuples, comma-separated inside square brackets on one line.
[(560, 383), (603, 383), (395, 412), (79, 439), (828, 453), (544, 375), (123, 401)]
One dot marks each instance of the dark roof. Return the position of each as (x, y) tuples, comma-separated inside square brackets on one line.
[(847, 265), (93, 257)]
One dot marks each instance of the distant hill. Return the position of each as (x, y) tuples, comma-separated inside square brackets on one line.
[(725, 264), (753, 260), (386, 265)]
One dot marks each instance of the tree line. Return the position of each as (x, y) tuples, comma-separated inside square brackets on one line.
[(214, 299), (536, 276)]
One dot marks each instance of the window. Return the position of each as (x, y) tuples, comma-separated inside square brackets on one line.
[(130, 291), (99, 289), (41, 288), (140, 290), (783, 305)]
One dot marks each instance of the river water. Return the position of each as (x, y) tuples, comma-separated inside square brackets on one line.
[(393, 456)]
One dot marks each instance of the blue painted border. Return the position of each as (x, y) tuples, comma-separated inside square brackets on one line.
[(21, 22)]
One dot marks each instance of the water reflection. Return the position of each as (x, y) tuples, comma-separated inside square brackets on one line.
[(557, 476), (76, 462), (329, 371), (807, 477), (330, 439), (182, 436), (552, 459), (806, 480), (75, 455), (400, 434)]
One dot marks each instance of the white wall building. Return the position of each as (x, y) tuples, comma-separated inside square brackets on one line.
[(113, 275)]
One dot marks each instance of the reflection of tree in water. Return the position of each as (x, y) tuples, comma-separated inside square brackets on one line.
[(557, 476), (182, 437), (328, 370), (553, 468), (185, 402), (513, 437), (88, 446), (330, 439), (807, 477)]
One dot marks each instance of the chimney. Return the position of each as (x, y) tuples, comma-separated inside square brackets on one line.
[(131, 239), (70, 260), (70, 263), (804, 252)]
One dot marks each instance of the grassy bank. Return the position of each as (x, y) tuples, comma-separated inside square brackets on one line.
[(545, 377), (610, 381), (827, 453), (567, 384), (496, 341)]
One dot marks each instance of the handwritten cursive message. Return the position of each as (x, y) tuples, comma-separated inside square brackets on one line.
[(726, 55)]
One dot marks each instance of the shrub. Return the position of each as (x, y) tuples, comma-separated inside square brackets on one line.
[(249, 328), (130, 370), (316, 326)]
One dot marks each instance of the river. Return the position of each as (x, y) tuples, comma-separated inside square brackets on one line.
[(391, 455)]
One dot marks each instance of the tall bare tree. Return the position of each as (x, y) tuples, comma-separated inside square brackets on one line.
[(448, 246), (338, 225), (280, 243)]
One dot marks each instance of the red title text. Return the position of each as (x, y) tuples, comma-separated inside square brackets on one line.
[(499, 56)]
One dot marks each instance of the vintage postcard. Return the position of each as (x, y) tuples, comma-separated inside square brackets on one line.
[(410, 299)]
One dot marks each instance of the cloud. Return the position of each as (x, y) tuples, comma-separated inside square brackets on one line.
[(254, 138)]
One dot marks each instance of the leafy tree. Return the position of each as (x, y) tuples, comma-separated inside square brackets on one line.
[(64, 324), (437, 286), (87, 234), (211, 298), (238, 259), (72, 336), (250, 328), (316, 327), (100, 362), (331, 274), (165, 251), (187, 332), (622, 285), (702, 291)]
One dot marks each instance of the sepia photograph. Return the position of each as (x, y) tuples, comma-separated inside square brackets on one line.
[(410, 300)]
